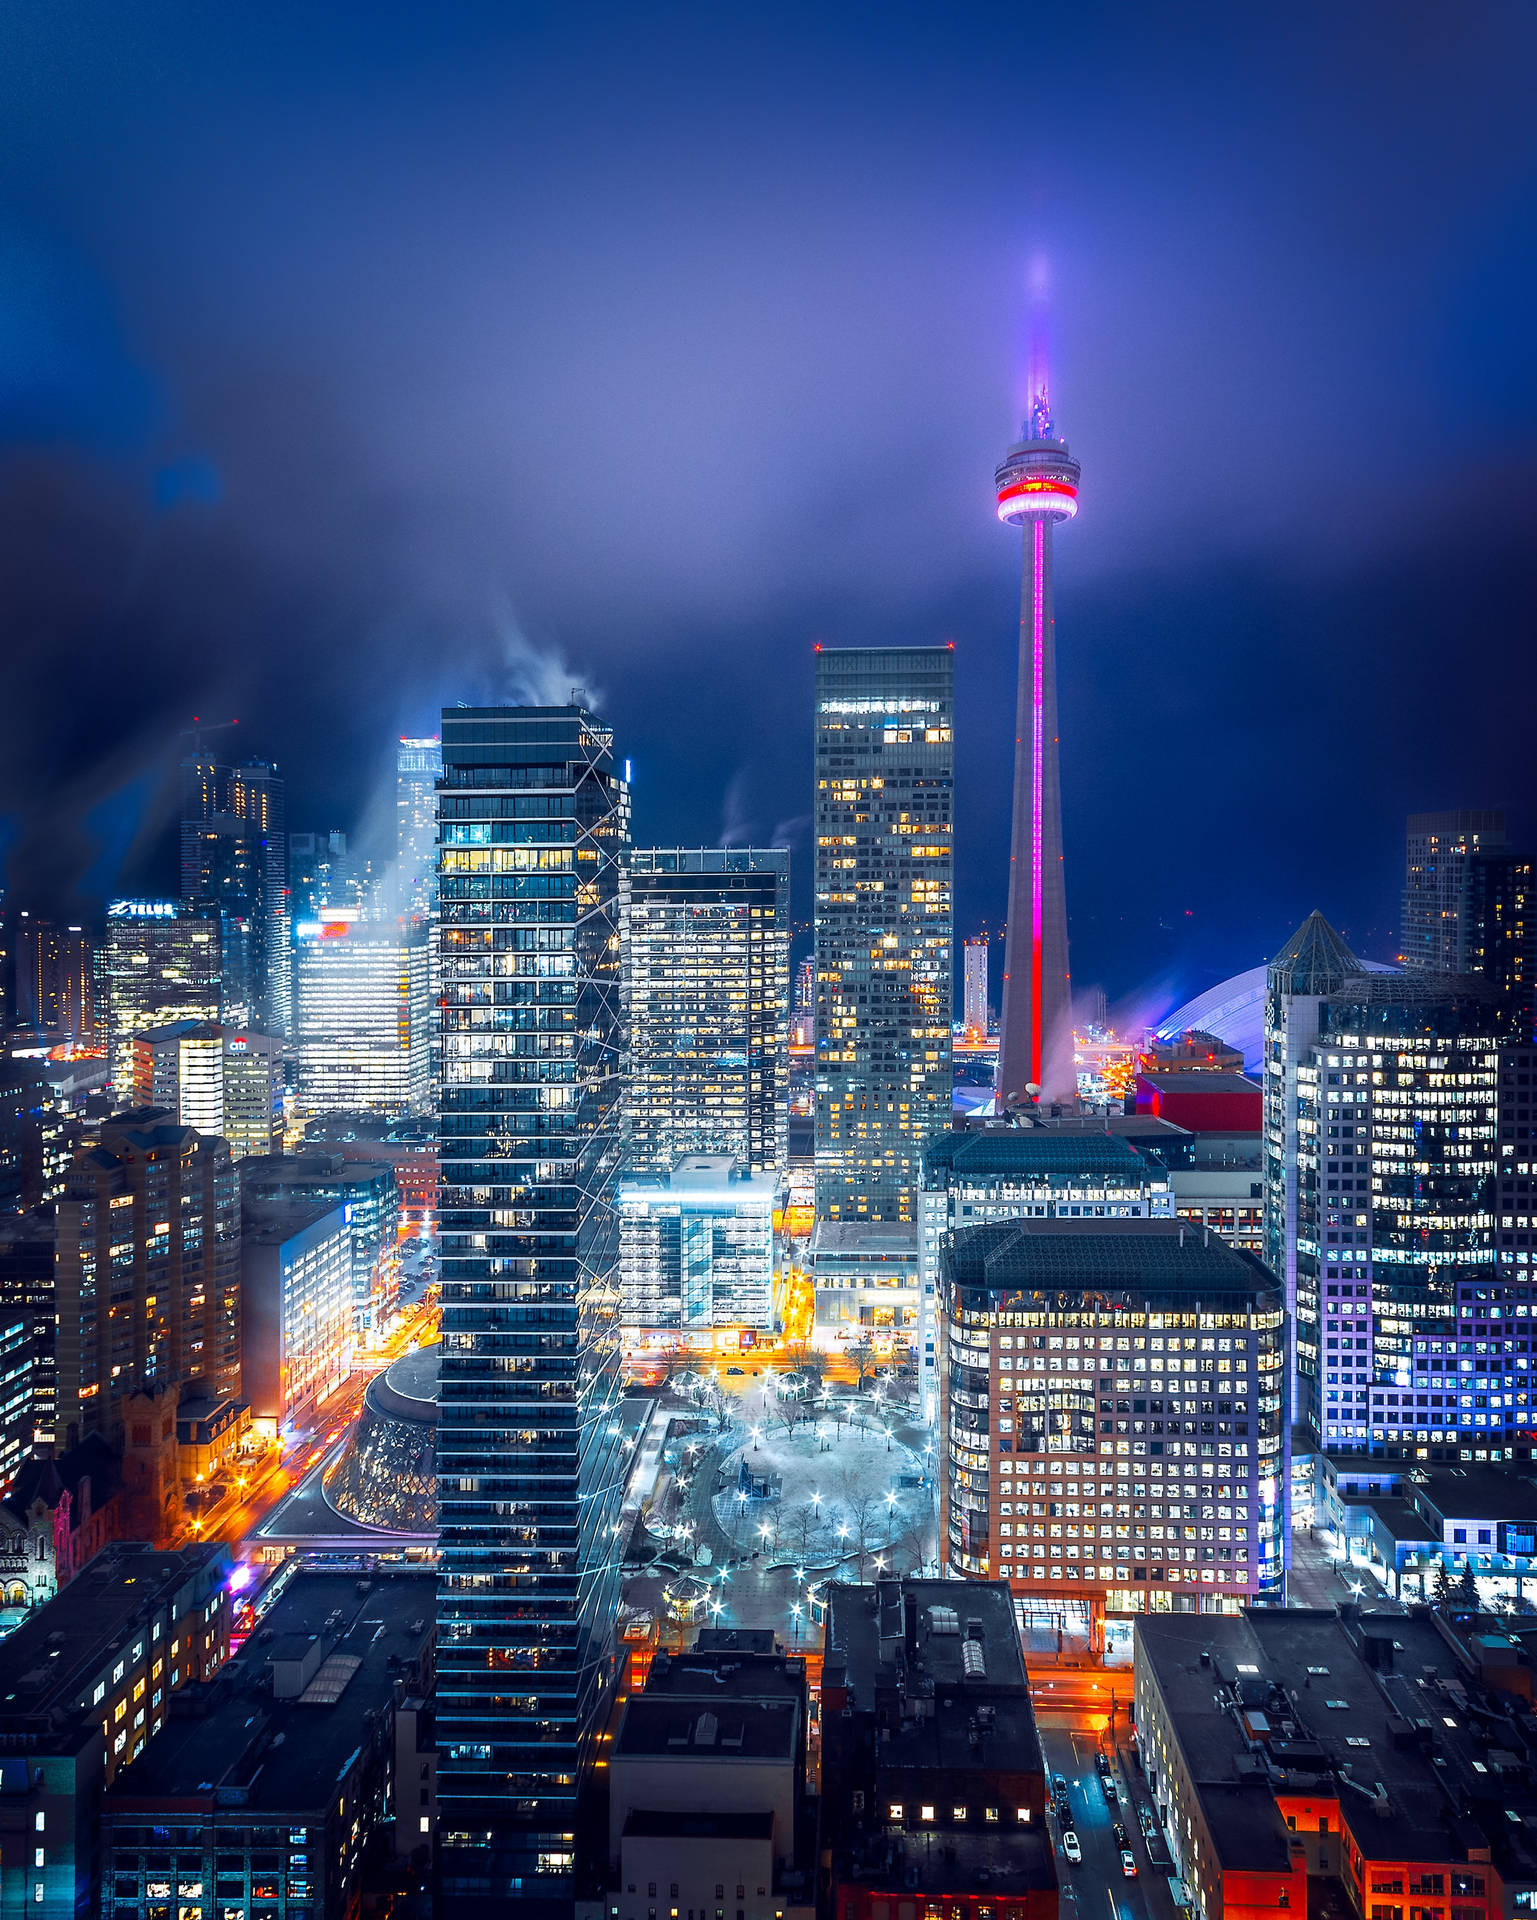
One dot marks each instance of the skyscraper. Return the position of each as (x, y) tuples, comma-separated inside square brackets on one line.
[(533, 822), (884, 932), (364, 1019), (234, 861), (707, 980), (418, 766), (157, 1206), (1037, 486), (159, 962), (52, 995), (1440, 849), (1502, 932), (974, 988), (1381, 1123)]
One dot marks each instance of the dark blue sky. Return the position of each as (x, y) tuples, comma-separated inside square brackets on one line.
[(357, 359)]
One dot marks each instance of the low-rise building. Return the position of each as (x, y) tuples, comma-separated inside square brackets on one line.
[(59, 1513), (864, 1277), (706, 1785), (89, 1680), (1205, 1102), (1416, 1525), (262, 1797), (1110, 1415), (1295, 1752), (696, 1248), (933, 1783)]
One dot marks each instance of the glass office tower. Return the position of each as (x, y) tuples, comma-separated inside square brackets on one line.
[(532, 821), (885, 813), (418, 766), (707, 986)]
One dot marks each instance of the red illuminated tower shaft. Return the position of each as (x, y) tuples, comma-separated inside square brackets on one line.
[(1037, 487)]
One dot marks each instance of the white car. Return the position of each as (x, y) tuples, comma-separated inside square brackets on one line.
[(1071, 1847)]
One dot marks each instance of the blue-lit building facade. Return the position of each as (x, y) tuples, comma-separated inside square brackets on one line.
[(533, 818), (1384, 1176)]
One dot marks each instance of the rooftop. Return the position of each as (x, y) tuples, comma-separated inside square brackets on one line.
[(1315, 960), (870, 1626), (1475, 1492), (1044, 1155), (873, 1239), (713, 1675), (1376, 1710), (56, 1654), (1001, 1861), (1142, 1256), (1171, 1080), (408, 1387), (233, 1739), (640, 1825), (657, 1728), (268, 1223)]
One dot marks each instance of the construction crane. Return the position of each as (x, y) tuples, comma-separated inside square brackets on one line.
[(195, 732)]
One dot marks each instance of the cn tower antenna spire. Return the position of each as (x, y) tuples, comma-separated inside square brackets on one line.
[(1037, 488), (1039, 426)]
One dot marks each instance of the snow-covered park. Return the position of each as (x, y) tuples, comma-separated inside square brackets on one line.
[(827, 1493)]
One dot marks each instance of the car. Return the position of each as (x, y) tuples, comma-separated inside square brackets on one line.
[(1064, 1812), (1111, 1798), (1120, 1833), (1102, 1762), (1071, 1847), (1060, 1783), (1128, 1865), (734, 1372)]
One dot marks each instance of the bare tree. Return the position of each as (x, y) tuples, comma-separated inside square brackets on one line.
[(858, 1514), (806, 1360), (862, 1358)]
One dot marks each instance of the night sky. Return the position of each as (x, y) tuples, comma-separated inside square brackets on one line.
[(358, 359)]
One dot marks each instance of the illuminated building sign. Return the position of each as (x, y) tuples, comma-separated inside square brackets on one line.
[(143, 909)]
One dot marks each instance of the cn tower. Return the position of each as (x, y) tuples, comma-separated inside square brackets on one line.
[(1037, 487)]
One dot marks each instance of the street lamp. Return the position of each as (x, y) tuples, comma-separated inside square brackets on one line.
[(796, 1615)]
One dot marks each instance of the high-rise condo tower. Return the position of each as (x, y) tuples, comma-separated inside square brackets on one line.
[(1037, 487), (533, 820)]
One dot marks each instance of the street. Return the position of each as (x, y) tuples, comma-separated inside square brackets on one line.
[(1098, 1887), (248, 1500)]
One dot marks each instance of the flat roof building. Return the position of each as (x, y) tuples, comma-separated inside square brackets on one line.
[(933, 1782), (884, 922), (1288, 1749), (296, 1291), (264, 1793), (707, 1002), (696, 1248), (1010, 1173), (1110, 1415), (89, 1680)]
